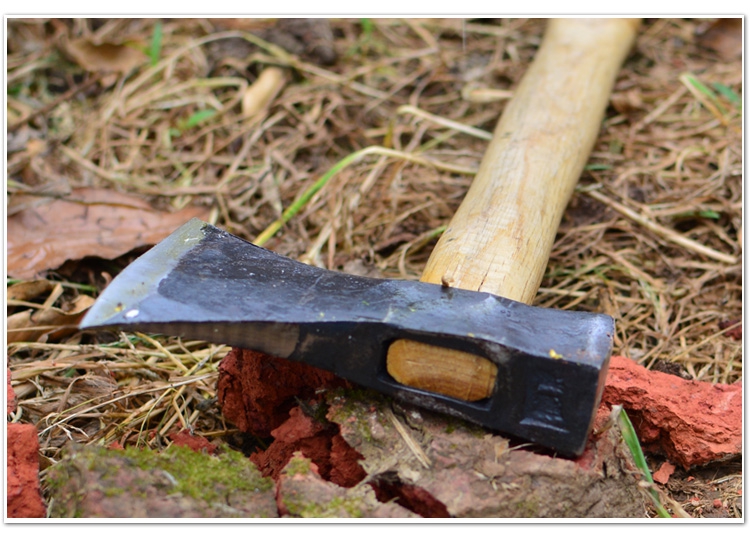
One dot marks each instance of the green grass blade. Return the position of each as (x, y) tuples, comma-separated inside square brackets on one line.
[(693, 81), (198, 117), (154, 51), (631, 439), (729, 94), (705, 90), (303, 199), (367, 27), (708, 214)]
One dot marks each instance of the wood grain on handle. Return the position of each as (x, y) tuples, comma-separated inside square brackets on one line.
[(500, 238)]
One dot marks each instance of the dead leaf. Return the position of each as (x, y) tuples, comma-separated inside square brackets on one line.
[(121, 58), (734, 333), (88, 222), (723, 36), (260, 94), (28, 290), (51, 323)]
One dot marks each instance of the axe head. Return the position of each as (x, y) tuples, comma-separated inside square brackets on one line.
[(204, 283)]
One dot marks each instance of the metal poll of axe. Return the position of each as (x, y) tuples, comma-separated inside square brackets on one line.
[(463, 340)]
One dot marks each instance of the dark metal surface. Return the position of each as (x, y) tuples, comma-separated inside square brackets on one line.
[(203, 283)]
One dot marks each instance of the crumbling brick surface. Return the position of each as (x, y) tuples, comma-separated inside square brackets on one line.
[(257, 390), (301, 492), (24, 495), (692, 422)]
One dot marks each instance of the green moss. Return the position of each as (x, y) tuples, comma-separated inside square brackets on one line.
[(201, 476), (357, 395), (113, 491), (54, 481), (528, 508), (56, 478), (351, 506), (363, 428), (177, 470), (353, 402), (297, 465)]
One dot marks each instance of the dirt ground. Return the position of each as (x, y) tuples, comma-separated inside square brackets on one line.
[(119, 130)]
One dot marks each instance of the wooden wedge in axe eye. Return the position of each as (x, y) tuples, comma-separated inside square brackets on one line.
[(463, 341)]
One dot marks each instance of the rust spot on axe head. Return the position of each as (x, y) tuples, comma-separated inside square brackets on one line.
[(203, 283)]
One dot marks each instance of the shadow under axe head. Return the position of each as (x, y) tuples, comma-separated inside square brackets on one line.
[(204, 283)]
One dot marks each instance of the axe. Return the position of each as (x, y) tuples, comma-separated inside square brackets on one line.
[(461, 341)]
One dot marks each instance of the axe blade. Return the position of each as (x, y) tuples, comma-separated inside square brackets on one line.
[(204, 283)]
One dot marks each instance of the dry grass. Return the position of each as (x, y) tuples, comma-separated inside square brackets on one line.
[(653, 236)]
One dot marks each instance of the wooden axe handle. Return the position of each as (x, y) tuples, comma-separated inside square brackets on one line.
[(500, 238)]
